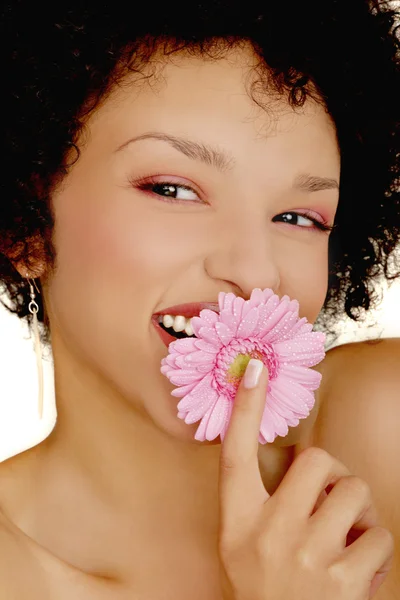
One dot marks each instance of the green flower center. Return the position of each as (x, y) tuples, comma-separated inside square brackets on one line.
[(232, 360), (238, 366)]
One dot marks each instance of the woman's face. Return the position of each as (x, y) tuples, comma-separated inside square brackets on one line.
[(186, 187)]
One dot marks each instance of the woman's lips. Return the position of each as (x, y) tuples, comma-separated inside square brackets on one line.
[(192, 309), (164, 335)]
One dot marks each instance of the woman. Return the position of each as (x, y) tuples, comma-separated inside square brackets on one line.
[(153, 160)]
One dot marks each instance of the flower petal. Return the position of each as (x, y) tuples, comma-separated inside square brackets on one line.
[(261, 438), (266, 314), (275, 316), (280, 425), (293, 421), (302, 375), (286, 407), (267, 428), (294, 307), (237, 308), (197, 325), (257, 297), (226, 301), (226, 316), (268, 293), (183, 377), (228, 418), (296, 329), (206, 347), (176, 361), (206, 367), (209, 317), (305, 350), (221, 300), (170, 360), (199, 409), (200, 434), (218, 418), (183, 345), (192, 359), (247, 307), (183, 390), (306, 328), (285, 324), (210, 336), (294, 395), (248, 324), (201, 395), (224, 333)]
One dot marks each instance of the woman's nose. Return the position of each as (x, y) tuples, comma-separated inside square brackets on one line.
[(244, 258)]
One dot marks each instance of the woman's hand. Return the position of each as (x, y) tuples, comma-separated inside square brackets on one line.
[(301, 543)]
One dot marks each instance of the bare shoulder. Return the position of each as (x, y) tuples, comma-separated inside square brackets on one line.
[(21, 577), (385, 354), (359, 412), (28, 570), (359, 423), (15, 566)]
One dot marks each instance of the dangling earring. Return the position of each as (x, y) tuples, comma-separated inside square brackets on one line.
[(34, 309)]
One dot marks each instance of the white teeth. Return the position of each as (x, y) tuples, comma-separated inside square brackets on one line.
[(168, 321), (189, 328), (179, 323)]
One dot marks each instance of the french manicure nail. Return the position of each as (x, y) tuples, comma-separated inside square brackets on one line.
[(252, 374)]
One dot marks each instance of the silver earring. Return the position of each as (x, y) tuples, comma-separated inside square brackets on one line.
[(34, 309)]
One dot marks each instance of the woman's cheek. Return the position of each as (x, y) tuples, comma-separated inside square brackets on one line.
[(304, 276)]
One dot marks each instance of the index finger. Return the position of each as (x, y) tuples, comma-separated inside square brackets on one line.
[(241, 486)]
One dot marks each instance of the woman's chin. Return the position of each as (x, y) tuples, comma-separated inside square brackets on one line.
[(183, 432)]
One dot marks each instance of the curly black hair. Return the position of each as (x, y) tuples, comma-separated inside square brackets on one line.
[(60, 60)]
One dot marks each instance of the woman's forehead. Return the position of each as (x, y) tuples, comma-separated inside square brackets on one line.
[(204, 98)]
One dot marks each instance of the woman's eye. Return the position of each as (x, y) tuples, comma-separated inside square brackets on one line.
[(299, 220), (175, 191), (294, 219)]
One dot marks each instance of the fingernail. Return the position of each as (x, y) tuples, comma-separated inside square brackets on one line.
[(252, 374)]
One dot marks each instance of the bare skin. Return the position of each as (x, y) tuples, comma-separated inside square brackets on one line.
[(358, 424), (119, 502)]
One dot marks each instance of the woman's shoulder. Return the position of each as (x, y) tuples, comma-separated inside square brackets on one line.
[(22, 576), (362, 375), (29, 572), (359, 422), (355, 360), (377, 347), (19, 573), (359, 398)]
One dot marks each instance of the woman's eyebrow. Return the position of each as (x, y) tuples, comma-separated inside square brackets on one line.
[(312, 183), (195, 150), (223, 161)]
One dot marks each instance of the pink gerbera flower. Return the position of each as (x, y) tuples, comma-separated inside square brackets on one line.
[(208, 368)]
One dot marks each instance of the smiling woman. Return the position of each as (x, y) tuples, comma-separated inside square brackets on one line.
[(154, 159)]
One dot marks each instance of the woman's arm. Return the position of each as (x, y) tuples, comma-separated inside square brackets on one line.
[(359, 423)]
